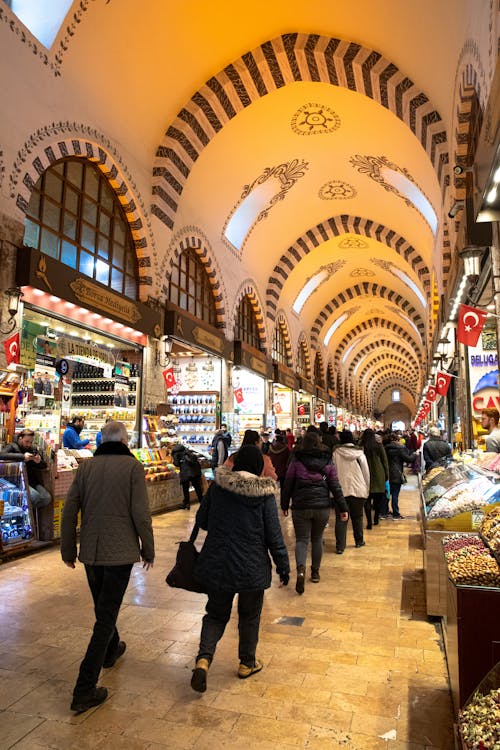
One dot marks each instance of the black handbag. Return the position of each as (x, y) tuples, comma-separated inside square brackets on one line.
[(181, 576)]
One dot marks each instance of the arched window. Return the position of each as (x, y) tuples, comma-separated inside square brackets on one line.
[(75, 217), (246, 328), (190, 288), (318, 371), (303, 360), (280, 350)]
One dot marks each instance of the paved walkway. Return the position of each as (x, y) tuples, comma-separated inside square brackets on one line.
[(364, 669)]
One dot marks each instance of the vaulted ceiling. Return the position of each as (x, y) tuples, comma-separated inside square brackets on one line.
[(335, 119)]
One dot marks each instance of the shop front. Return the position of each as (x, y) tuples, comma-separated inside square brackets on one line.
[(285, 392), (252, 373), (80, 354), (321, 408), (306, 404)]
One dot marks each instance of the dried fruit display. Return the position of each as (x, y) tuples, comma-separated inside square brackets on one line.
[(480, 721)]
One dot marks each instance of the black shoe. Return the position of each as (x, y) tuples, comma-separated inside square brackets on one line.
[(186, 507), (315, 577), (110, 661), (301, 579), (360, 544), (398, 517), (375, 523), (84, 702), (339, 551), (368, 526)]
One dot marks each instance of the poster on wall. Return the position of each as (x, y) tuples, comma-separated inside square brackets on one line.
[(483, 375), (248, 392), (195, 374)]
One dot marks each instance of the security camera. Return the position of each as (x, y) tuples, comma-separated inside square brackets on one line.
[(457, 206)]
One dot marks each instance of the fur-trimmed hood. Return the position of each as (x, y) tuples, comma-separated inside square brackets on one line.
[(245, 484)]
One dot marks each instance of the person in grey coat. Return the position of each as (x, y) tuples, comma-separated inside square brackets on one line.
[(110, 492), (240, 516)]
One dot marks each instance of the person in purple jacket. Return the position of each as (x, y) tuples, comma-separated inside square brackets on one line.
[(310, 479)]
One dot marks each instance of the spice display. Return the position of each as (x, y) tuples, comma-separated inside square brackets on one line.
[(480, 721), (469, 561), (432, 474), (462, 497), (490, 529)]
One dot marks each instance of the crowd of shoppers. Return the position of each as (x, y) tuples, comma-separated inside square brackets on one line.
[(356, 475)]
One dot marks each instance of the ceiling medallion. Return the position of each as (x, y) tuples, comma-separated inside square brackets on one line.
[(352, 242), (337, 190), (359, 272), (314, 118)]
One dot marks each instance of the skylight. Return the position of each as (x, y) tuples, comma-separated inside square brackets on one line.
[(308, 289), (333, 328), (409, 282), (408, 188), (248, 212), (42, 17)]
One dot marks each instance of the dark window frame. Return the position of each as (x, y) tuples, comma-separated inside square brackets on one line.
[(190, 287), (246, 327)]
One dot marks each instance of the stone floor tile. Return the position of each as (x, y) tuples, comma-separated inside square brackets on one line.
[(14, 726)]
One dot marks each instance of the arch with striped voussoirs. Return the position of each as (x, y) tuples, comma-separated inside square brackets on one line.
[(319, 370), (366, 289), (399, 365), (403, 375), (282, 322), (333, 227), (369, 325), (394, 387), (390, 349), (248, 289), (193, 238), (331, 382), (284, 60), (388, 372), (64, 140), (303, 347)]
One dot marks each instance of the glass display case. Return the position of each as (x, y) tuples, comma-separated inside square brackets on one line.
[(16, 516)]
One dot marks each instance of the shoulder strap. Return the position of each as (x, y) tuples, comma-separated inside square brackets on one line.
[(194, 533)]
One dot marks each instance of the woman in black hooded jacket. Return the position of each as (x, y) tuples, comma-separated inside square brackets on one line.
[(240, 515)]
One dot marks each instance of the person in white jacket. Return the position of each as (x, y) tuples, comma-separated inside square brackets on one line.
[(354, 477)]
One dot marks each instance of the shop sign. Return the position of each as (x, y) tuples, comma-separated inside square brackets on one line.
[(187, 328), (483, 376), (285, 377), (282, 401), (249, 392), (40, 271), (248, 357)]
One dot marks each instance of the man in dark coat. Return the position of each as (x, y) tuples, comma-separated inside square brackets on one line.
[(397, 456), (279, 453), (240, 516), (21, 449), (436, 450), (110, 492), (190, 472)]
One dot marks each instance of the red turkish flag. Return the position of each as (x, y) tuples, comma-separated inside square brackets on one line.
[(238, 395), (431, 394), (169, 377), (426, 408), (277, 408), (12, 349), (470, 324), (443, 381)]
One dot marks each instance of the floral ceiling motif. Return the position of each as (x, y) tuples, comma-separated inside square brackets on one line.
[(311, 119), (337, 190), (360, 272), (352, 242)]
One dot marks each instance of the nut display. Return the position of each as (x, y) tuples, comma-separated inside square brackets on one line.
[(480, 721), (469, 561), (490, 529)]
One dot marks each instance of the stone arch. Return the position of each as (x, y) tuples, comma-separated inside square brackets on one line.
[(370, 324), (366, 289), (334, 227), (304, 344), (388, 372), (319, 370), (401, 351), (288, 58), (52, 144), (330, 377), (394, 387), (192, 238), (400, 362), (248, 289), (281, 320)]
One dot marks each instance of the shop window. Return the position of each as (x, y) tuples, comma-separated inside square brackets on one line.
[(280, 349), (302, 361), (246, 328), (75, 217), (190, 287)]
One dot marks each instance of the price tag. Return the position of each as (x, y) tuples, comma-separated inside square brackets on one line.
[(477, 518)]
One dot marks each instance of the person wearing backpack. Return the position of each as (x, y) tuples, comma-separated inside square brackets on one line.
[(190, 472)]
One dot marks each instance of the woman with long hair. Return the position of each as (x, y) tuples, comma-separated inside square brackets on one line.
[(379, 475), (252, 437)]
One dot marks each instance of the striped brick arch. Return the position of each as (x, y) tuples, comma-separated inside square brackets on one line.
[(398, 359), (388, 372), (276, 63), (399, 373), (319, 370), (47, 155), (370, 325), (335, 227), (248, 289), (395, 387), (281, 321), (204, 252), (375, 346), (365, 289), (303, 346)]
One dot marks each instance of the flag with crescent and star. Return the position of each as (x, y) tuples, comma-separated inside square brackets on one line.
[(470, 324), (431, 393), (443, 381), (12, 349)]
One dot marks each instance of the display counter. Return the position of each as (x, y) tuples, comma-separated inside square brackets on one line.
[(470, 628), (455, 498), (479, 720), (17, 520)]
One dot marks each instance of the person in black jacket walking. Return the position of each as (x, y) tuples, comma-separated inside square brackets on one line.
[(239, 513), (436, 450), (309, 480), (397, 456), (190, 472)]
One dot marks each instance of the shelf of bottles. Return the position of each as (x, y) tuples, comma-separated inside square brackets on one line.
[(196, 415), (16, 524)]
